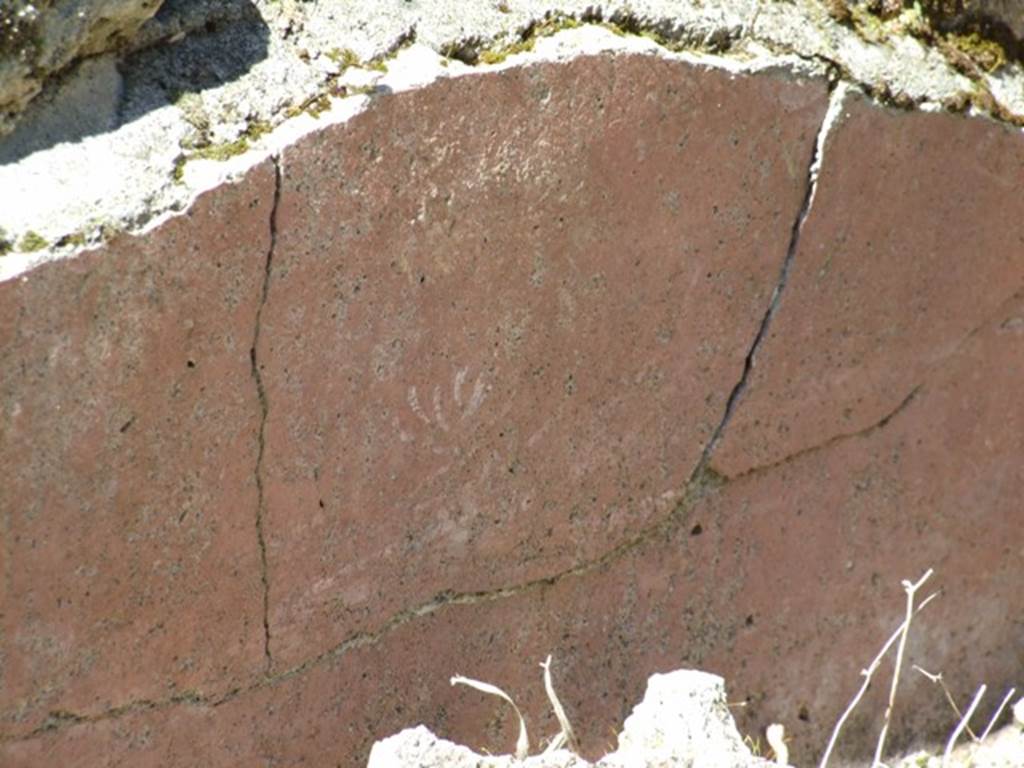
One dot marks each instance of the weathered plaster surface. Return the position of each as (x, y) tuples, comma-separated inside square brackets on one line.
[(128, 442), (643, 359)]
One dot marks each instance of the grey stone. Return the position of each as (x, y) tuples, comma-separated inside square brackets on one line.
[(39, 40)]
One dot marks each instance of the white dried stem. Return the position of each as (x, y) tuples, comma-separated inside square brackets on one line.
[(949, 696), (775, 735), (523, 742), (867, 673), (910, 589), (566, 736), (960, 726), (995, 717)]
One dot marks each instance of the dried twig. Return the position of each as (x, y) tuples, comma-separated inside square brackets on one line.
[(949, 696), (867, 673), (910, 589), (566, 736), (961, 725), (523, 742), (775, 735), (999, 711)]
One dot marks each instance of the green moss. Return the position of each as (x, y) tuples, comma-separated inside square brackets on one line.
[(257, 129), (528, 38), (178, 174), (221, 152), (615, 29), (5, 244), (500, 53), (224, 151), (361, 90), (346, 57), (32, 241), (75, 240), (109, 230), (987, 54), (318, 106), (867, 25)]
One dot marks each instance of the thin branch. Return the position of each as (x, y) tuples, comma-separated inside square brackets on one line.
[(867, 673), (910, 589), (999, 711), (949, 696), (960, 726)]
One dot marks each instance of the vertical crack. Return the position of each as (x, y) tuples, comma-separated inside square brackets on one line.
[(835, 105), (261, 394)]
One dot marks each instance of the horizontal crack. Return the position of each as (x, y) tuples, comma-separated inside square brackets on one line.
[(994, 317), (701, 482), (832, 441)]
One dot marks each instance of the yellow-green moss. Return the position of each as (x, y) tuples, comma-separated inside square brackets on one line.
[(257, 129), (500, 53), (546, 28), (346, 57), (74, 240), (5, 244), (32, 241), (987, 54), (221, 152)]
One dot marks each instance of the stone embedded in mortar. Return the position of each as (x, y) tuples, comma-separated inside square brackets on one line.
[(128, 441), (497, 340), (40, 39)]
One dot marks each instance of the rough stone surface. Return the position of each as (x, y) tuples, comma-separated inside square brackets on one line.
[(38, 40), (506, 351), (683, 721), (979, 13), (128, 442), (209, 74), (916, 239)]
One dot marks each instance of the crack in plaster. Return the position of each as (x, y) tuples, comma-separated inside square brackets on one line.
[(834, 439), (998, 316), (702, 479), (828, 123), (261, 394)]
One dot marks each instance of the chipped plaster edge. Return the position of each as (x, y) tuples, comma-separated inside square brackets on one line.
[(751, 48)]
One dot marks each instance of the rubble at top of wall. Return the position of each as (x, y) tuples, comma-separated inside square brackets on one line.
[(199, 92)]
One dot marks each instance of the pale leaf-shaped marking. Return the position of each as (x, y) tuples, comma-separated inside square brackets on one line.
[(414, 403), (438, 413), (479, 390), (460, 378)]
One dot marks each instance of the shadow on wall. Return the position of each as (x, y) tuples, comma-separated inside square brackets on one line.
[(222, 41)]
